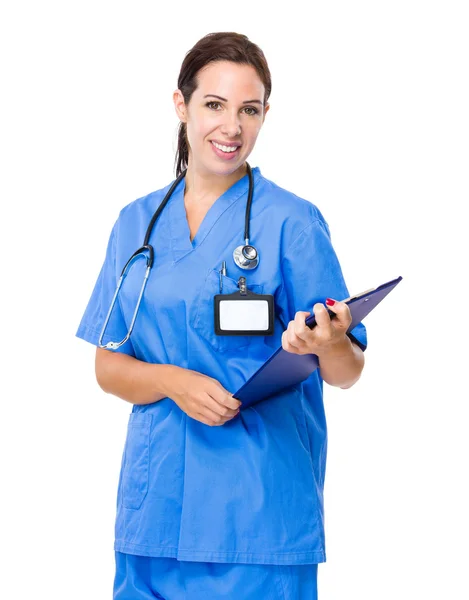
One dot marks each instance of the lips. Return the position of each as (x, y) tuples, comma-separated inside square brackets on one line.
[(226, 156), (229, 144)]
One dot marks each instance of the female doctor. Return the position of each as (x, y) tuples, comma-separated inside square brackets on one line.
[(213, 501)]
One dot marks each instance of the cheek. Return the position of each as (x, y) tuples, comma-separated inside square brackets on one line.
[(252, 132), (198, 131)]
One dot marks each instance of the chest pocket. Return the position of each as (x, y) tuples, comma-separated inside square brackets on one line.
[(204, 322)]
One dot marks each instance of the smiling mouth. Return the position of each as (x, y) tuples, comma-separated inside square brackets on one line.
[(227, 149)]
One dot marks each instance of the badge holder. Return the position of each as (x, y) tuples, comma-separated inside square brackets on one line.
[(244, 312)]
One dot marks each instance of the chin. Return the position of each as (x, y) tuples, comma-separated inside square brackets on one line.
[(227, 169)]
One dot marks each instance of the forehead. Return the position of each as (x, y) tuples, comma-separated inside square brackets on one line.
[(230, 80)]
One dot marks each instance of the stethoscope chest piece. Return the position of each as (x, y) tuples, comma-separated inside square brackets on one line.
[(246, 257)]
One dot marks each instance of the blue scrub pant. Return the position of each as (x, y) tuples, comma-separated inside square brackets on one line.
[(147, 578)]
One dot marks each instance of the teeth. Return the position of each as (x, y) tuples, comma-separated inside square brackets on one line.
[(225, 148)]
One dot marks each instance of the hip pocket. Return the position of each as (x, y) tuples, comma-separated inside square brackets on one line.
[(135, 476), (204, 322)]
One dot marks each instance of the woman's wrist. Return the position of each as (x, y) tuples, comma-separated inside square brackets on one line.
[(342, 364), (165, 379), (336, 351)]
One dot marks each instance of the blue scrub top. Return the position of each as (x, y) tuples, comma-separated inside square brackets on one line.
[(249, 491)]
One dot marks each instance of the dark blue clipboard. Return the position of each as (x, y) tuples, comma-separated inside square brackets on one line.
[(284, 369)]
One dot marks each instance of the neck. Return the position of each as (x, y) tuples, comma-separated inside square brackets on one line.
[(203, 185)]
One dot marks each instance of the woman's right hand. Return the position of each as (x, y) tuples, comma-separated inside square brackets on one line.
[(202, 397)]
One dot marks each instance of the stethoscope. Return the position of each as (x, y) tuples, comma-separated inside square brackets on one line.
[(245, 257)]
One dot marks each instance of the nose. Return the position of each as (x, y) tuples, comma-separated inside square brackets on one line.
[(231, 124)]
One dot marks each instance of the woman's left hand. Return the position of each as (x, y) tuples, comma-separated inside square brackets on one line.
[(327, 335)]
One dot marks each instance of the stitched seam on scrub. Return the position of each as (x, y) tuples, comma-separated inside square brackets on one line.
[(299, 235), (251, 553), (217, 552)]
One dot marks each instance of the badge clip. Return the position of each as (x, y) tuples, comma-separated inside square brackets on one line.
[(243, 290)]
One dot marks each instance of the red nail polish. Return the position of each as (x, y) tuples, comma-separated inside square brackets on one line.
[(330, 302)]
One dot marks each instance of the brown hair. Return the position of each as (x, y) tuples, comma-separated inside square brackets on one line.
[(213, 47)]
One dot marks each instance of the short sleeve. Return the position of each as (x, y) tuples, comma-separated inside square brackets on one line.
[(98, 305), (311, 273)]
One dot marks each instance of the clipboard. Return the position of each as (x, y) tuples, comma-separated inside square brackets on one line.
[(284, 369)]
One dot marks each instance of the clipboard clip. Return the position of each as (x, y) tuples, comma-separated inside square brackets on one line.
[(359, 295)]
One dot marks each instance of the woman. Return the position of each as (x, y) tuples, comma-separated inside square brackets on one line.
[(214, 502)]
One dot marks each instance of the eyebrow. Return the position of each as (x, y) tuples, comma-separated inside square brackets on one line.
[(225, 100)]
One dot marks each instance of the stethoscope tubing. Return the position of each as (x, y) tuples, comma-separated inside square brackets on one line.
[(147, 247)]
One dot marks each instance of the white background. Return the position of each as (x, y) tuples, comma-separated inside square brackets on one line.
[(368, 120)]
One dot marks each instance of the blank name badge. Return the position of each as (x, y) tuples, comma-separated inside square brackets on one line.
[(244, 314)]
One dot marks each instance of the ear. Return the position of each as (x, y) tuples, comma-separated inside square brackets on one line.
[(180, 105), (266, 109)]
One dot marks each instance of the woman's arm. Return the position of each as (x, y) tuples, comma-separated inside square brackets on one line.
[(131, 379), (199, 396), (342, 366)]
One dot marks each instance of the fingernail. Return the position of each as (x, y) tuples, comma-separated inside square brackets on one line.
[(330, 302)]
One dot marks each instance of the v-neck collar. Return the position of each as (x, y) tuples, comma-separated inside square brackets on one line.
[(179, 227)]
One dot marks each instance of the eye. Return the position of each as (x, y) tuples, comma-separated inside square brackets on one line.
[(210, 103), (254, 110)]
